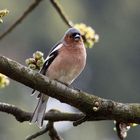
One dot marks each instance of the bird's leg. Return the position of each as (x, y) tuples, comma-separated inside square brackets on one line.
[(70, 86), (62, 83), (79, 90)]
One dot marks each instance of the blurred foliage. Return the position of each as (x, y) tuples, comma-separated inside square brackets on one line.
[(2, 14), (4, 81), (88, 34), (112, 69), (36, 62)]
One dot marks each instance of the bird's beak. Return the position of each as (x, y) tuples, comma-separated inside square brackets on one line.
[(77, 37)]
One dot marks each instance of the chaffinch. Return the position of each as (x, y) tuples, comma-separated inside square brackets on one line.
[(64, 63)]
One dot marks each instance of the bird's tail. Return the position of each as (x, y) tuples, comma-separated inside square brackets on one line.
[(40, 109)]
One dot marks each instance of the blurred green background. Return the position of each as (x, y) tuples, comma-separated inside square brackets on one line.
[(112, 69)]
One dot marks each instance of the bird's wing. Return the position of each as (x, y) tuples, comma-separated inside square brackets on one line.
[(52, 55)]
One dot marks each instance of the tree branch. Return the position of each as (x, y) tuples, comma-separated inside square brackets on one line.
[(49, 128), (62, 14), (54, 115), (19, 114), (98, 108), (24, 15), (37, 134), (52, 131)]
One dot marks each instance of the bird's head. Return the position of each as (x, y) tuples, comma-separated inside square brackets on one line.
[(73, 36)]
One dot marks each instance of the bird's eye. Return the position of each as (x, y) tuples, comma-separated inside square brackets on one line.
[(76, 36)]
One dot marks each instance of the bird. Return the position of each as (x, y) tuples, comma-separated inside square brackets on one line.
[(64, 63)]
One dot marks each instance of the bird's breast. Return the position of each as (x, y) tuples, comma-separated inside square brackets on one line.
[(67, 65)]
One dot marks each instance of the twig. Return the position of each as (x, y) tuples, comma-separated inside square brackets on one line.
[(61, 12), (49, 128), (37, 134), (52, 132), (29, 10)]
